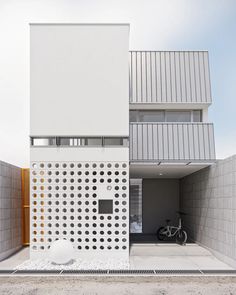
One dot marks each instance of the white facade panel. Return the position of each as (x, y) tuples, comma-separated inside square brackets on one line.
[(79, 80), (67, 185)]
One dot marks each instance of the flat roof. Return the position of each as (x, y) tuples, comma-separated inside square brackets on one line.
[(82, 24)]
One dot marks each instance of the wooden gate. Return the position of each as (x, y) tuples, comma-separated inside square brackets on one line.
[(25, 206)]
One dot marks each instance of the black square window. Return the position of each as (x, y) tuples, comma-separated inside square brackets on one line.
[(105, 206)]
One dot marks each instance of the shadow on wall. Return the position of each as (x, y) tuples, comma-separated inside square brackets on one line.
[(209, 198)]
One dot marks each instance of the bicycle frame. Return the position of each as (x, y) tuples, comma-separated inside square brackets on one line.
[(171, 231)]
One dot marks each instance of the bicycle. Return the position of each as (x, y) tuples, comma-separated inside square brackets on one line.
[(170, 231)]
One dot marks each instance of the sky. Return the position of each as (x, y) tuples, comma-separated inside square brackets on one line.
[(155, 25)]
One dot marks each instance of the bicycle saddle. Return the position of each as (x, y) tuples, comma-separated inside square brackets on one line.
[(167, 220)]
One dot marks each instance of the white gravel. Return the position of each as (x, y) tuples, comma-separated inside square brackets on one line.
[(78, 264)]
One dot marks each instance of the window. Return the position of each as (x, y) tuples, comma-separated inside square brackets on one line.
[(178, 116), (151, 116), (80, 141), (113, 141), (147, 116), (105, 206), (93, 141), (166, 116), (136, 205), (197, 116), (43, 141), (133, 116)]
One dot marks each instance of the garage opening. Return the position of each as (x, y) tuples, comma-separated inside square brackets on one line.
[(152, 202)]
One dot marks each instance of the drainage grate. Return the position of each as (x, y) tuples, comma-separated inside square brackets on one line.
[(134, 271), (34, 271), (87, 271), (219, 271), (121, 272), (6, 271), (177, 271)]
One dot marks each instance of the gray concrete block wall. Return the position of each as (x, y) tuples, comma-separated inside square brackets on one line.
[(209, 198), (10, 209)]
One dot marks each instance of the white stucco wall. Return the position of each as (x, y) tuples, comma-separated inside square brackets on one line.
[(79, 83)]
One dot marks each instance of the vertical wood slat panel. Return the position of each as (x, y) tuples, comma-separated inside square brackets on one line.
[(25, 192), (171, 141), (175, 76)]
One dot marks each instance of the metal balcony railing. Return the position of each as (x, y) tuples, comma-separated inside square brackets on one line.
[(172, 142)]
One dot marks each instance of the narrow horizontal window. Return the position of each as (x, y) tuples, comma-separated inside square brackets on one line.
[(151, 116), (114, 141), (147, 116), (43, 141), (178, 116), (94, 141), (80, 141)]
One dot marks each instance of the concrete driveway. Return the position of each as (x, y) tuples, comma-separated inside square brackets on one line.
[(152, 257), (173, 257)]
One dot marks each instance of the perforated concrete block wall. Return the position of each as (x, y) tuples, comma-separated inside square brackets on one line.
[(209, 199), (10, 209), (69, 201)]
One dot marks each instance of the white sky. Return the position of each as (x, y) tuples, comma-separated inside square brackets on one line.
[(155, 25)]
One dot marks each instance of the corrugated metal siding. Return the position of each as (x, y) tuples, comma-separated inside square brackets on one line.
[(169, 77), (171, 141)]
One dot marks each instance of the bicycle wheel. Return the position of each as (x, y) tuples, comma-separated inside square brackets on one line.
[(160, 236), (181, 237)]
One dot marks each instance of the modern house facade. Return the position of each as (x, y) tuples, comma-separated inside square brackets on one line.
[(112, 133), (170, 136)]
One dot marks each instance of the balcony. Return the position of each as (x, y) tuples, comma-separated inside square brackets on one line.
[(186, 143), (169, 77)]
